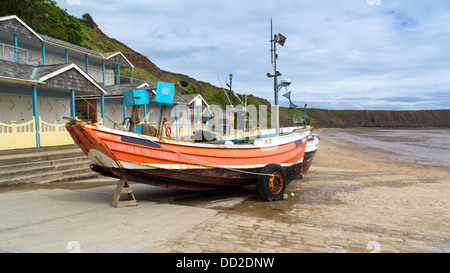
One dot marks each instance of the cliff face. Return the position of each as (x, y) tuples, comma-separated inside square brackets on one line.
[(134, 57), (392, 119), (95, 39)]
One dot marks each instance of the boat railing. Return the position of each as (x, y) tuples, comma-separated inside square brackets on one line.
[(185, 130)]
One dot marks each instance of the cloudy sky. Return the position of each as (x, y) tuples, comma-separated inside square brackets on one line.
[(348, 54)]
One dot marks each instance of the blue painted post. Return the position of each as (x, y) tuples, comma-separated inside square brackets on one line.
[(118, 74), (67, 56), (43, 54), (15, 48), (103, 109), (72, 102), (35, 114), (124, 111), (131, 75), (86, 63), (104, 73)]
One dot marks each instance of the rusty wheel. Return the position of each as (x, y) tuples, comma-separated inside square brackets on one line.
[(272, 182)]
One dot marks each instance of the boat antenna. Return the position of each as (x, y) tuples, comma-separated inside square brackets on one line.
[(274, 39), (229, 99), (288, 96), (271, 45)]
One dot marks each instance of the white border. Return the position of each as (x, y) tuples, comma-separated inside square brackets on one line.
[(6, 18), (118, 52)]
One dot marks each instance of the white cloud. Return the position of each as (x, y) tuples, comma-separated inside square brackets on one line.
[(73, 2), (334, 49)]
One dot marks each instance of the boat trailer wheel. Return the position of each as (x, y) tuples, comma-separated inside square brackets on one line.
[(272, 187)]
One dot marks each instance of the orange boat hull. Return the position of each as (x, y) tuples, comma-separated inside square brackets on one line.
[(185, 165)]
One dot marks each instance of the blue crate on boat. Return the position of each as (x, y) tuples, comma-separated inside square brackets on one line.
[(164, 93), (136, 97)]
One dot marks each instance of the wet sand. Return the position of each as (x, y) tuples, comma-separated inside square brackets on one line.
[(421, 146), (353, 199), (349, 155)]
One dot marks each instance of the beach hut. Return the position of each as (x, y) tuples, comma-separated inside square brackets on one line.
[(40, 77)]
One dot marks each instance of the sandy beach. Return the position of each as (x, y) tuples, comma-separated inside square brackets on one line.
[(353, 199)]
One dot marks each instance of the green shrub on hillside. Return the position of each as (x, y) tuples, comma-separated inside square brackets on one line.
[(45, 17)]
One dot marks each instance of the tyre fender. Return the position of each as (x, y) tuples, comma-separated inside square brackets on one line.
[(272, 182)]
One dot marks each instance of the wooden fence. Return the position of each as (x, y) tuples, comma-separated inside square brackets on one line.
[(19, 136), (53, 134)]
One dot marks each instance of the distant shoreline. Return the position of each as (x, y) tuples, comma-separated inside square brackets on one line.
[(321, 118)]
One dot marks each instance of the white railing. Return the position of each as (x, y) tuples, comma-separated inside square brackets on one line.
[(111, 78), (18, 55)]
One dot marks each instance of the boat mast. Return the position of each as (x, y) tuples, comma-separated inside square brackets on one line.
[(274, 39), (275, 80)]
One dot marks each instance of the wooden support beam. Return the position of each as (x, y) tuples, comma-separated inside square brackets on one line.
[(123, 187)]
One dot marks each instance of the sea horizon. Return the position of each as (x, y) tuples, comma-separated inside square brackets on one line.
[(419, 145)]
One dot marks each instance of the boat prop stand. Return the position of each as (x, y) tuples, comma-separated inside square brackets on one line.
[(134, 118), (123, 187), (162, 120)]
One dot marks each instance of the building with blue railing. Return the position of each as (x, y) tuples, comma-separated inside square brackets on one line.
[(40, 77)]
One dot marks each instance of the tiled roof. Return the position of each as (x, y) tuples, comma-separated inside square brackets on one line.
[(184, 98), (61, 43), (41, 71), (71, 46), (39, 74), (117, 90), (15, 70)]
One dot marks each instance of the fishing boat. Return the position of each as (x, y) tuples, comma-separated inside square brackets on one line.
[(270, 163), (266, 158), (269, 159), (311, 148)]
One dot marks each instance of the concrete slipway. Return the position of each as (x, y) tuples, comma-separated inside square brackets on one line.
[(62, 220)]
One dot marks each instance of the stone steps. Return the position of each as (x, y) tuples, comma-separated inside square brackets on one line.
[(43, 165)]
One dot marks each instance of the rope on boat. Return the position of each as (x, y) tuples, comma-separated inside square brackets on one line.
[(214, 165), (98, 110)]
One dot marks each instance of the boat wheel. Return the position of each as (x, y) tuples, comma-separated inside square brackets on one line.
[(272, 184)]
